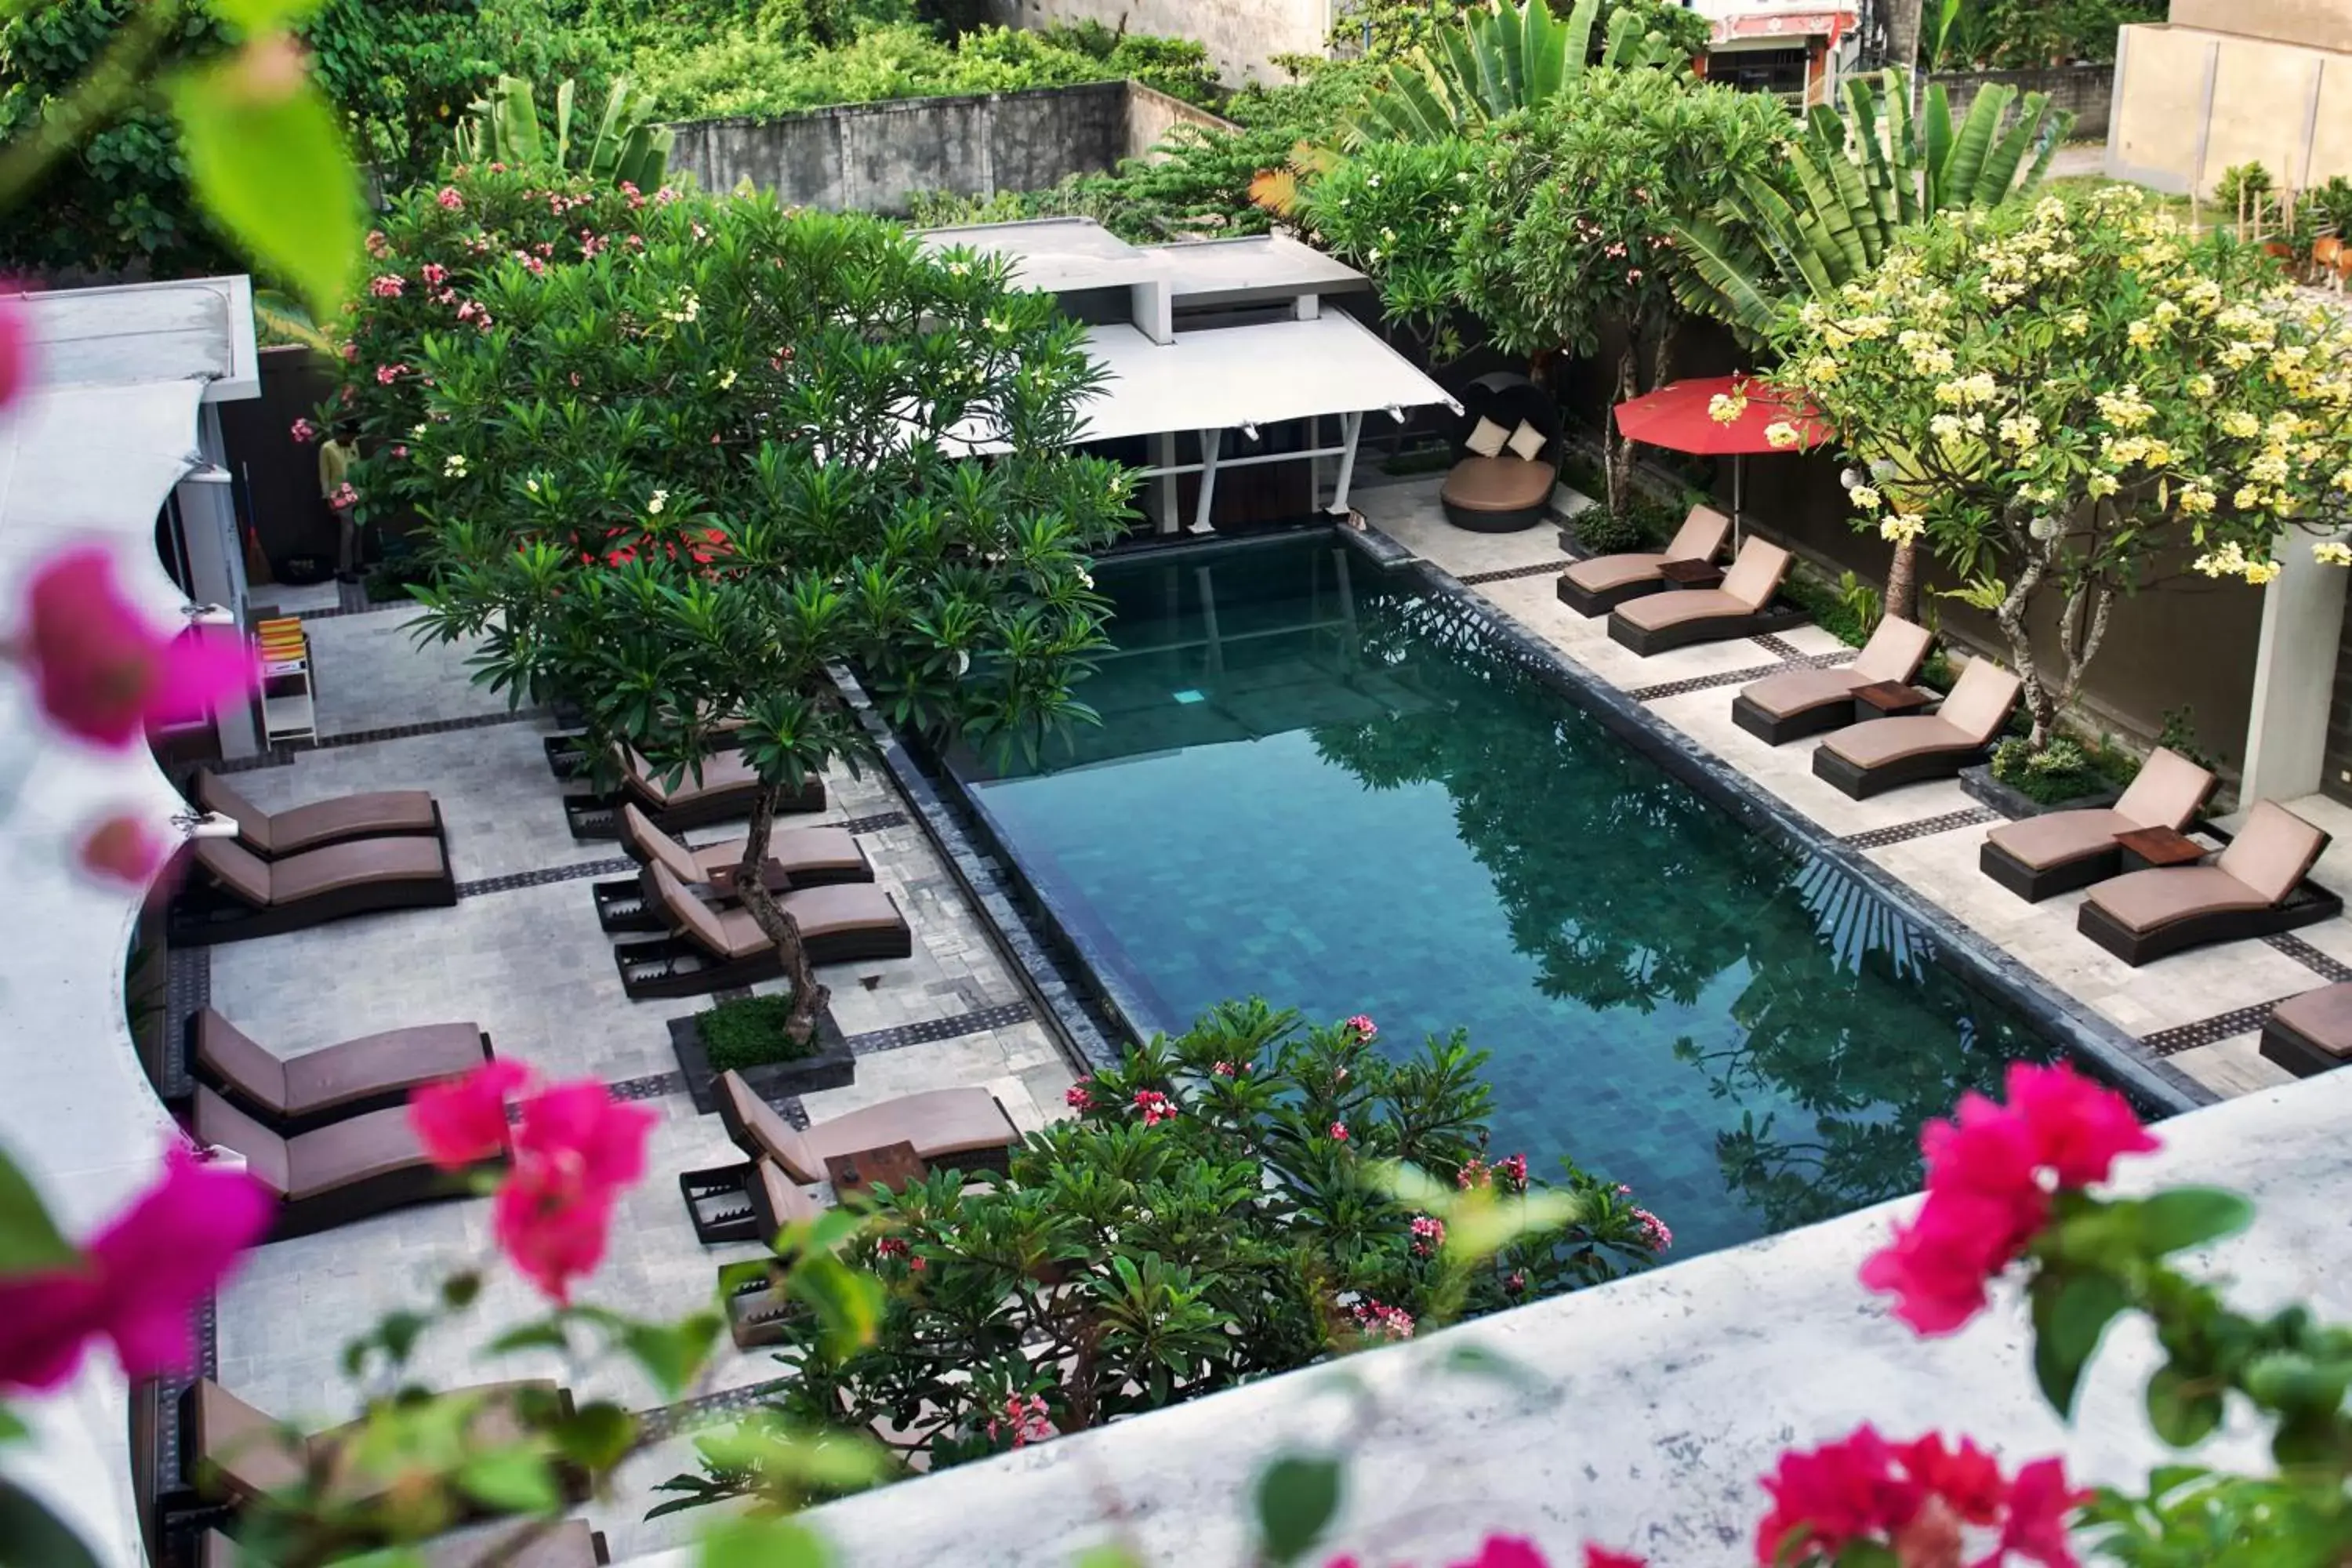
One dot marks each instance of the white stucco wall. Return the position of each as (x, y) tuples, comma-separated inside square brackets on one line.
[(1243, 36)]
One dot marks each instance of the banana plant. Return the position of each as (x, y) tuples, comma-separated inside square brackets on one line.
[(504, 127), (1852, 181), (1498, 59)]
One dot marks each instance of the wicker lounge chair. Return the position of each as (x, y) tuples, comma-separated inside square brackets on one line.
[(567, 1544), (273, 835), (724, 792), (2255, 887), (2311, 1032), (2059, 851), (236, 894), (293, 1095), (1600, 584), (233, 1451), (1740, 609), (755, 1206), (797, 857), (362, 1166), (1794, 703), (1879, 754), (965, 1128), (709, 948)]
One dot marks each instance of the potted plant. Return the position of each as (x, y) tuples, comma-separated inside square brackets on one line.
[(749, 1035)]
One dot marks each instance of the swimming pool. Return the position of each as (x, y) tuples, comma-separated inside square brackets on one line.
[(1315, 783)]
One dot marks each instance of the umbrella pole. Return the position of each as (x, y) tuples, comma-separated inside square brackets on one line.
[(1738, 471)]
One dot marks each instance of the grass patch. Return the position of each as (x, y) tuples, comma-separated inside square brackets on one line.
[(748, 1032)]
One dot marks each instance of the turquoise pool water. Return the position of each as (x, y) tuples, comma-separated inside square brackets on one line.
[(1313, 784)]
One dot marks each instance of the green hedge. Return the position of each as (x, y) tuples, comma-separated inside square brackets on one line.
[(748, 1032)]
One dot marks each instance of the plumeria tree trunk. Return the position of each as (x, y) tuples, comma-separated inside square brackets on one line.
[(808, 997), (1617, 456), (1903, 580), (2041, 701)]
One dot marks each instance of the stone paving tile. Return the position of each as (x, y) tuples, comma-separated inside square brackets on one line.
[(2233, 1067)]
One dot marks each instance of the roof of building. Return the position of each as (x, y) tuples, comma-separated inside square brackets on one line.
[(197, 329), (1065, 255)]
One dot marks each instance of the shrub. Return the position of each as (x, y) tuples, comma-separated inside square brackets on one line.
[(2179, 734), (1603, 534), (748, 1032), (2065, 769), (2243, 184)]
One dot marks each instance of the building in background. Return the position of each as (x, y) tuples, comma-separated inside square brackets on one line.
[(2234, 81), (1786, 47)]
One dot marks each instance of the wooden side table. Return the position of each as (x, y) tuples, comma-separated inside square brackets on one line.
[(2148, 847), (1887, 698), (894, 1165), (1690, 574)]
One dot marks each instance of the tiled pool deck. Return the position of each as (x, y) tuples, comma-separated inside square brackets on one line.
[(523, 955), (2200, 1011)]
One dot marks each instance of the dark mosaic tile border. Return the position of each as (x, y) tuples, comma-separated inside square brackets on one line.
[(1926, 827), (285, 754), (1779, 647), (1700, 682), (652, 1085), (1540, 569), (707, 1409), (546, 874), (187, 991), (2208, 1031), (929, 1031), (874, 824), (1976, 959), (2310, 957)]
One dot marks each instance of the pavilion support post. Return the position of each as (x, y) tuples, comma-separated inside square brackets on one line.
[(1351, 427), (1163, 486), (1209, 441)]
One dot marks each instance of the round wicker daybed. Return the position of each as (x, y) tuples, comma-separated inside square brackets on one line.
[(1506, 493)]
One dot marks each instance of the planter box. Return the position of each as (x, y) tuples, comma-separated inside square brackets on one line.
[(833, 1067), (1981, 786)]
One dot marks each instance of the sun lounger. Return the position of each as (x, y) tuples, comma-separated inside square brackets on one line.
[(2254, 888), (291, 1095), (273, 835), (233, 1451), (710, 947), (566, 1543), (1739, 608), (236, 894), (2311, 1032), (965, 1128), (1598, 584), (2059, 851), (362, 1166), (1878, 754), (1794, 703), (797, 857), (723, 792), (745, 1204)]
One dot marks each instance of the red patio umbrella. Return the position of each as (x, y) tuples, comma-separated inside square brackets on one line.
[(1680, 416)]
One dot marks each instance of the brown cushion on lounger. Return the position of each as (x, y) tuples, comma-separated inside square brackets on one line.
[(1499, 484), (768, 1130), (1756, 574), (2056, 837), (1877, 741), (216, 1122), (1601, 573), (1703, 532), (941, 1123), (229, 1053), (1746, 588), (1795, 690), (720, 770), (355, 864), (320, 821), (844, 906), (377, 1064), (2143, 901), (252, 822), (793, 851), (2167, 790), (655, 847), (1894, 651), (236, 868), (2272, 851), (2323, 1017), (778, 1200), (819, 912), (731, 933), (1981, 701), (246, 1451)]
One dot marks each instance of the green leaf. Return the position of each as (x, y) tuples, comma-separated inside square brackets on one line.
[(848, 1301), (28, 1236), (458, 1292), (672, 1353), (763, 1543), (2183, 1414), (1478, 1361), (548, 1336), (1297, 1496), (253, 17), (597, 1434), (1109, 1554), (33, 1537), (2191, 1216), (2070, 1313), (511, 1481), (267, 161), (12, 1426)]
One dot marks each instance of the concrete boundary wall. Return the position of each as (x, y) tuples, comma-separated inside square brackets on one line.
[(2190, 103), (874, 157), (2084, 89)]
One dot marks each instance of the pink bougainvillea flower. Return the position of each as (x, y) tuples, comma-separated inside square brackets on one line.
[(16, 347), (580, 1125), (1966, 1478), (2039, 1502), (124, 850), (102, 670), (464, 1122), (1938, 1266), (138, 1280), (1507, 1552), (575, 1151), (1601, 1557), (2078, 1127), (1836, 1493)]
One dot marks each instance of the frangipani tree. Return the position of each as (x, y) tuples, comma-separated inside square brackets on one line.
[(2060, 399), (678, 484)]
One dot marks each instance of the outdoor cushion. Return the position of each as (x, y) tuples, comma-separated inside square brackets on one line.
[(1895, 652), (251, 1453), (1486, 438), (2167, 792), (2271, 852), (1795, 690), (818, 912), (1981, 701), (2056, 837), (1687, 605), (1702, 533), (1875, 742), (939, 1122), (720, 770), (792, 852), (1498, 484), (354, 864), (1526, 442), (356, 1150), (2143, 901), (2323, 1017), (1599, 573), (362, 1069), (320, 822)]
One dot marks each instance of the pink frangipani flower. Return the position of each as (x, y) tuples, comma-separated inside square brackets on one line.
[(102, 671), (138, 1280)]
